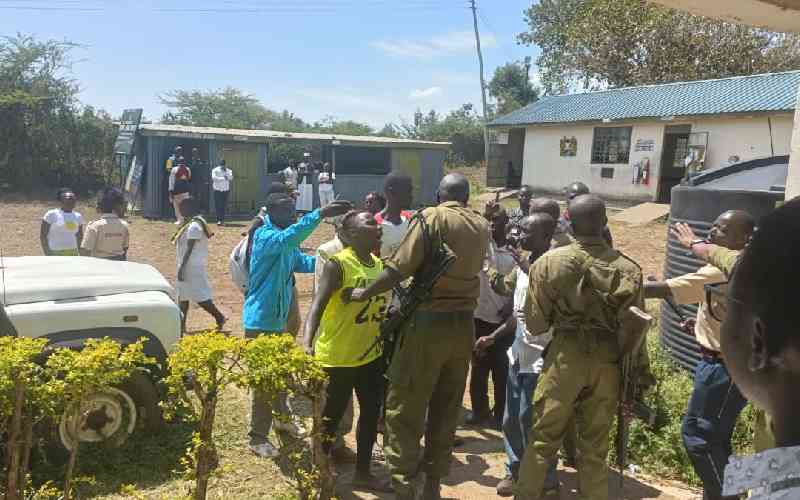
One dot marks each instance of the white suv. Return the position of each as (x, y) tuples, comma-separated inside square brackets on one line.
[(70, 299)]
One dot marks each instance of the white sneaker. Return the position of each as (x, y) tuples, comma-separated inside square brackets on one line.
[(265, 450), (289, 427)]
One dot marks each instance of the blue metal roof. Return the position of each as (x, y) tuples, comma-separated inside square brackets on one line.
[(740, 94)]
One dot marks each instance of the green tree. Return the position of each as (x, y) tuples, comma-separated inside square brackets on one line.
[(226, 108), (594, 43), (462, 127), (511, 86), (331, 125), (47, 138)]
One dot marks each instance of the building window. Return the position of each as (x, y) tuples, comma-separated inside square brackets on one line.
[(611, 144), (681, 152)]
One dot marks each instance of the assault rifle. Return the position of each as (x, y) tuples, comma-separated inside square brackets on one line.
[(436, 261), (634, 371)]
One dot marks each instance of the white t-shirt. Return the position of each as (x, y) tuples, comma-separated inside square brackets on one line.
[(199, 256), (324, 253), (490, 304), (393, 234), (64, 227), (526, 348), (221, 178)]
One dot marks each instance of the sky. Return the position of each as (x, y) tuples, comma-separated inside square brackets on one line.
[(373, 61)]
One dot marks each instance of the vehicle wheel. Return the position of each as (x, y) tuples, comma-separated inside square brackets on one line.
[(141, 387), (112, 416)]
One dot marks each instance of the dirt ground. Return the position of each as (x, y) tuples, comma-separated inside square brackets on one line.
[(478, 465)]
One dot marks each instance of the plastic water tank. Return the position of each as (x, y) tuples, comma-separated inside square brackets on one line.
[(755, 186)]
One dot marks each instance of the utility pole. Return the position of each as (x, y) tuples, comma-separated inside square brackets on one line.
[(483, 84)]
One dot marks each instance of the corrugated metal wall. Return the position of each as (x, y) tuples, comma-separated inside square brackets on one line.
[(155, 178), (354, 187), (699, 208), (432, 161)]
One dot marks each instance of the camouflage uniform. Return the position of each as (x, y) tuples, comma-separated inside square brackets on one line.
[(580, 291), (428, 372)]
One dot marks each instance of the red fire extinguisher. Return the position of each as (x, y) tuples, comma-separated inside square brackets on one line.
[(646, 172)]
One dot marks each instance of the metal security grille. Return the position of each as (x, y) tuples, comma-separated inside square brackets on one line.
[(611, 145)]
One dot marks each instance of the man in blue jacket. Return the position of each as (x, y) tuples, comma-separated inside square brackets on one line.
[(275, 257)]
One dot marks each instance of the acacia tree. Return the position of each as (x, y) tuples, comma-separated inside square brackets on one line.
[(511, 86), (593, 43), (462, 127)]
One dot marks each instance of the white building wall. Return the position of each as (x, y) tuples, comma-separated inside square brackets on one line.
[(745, 137), (545, 168)]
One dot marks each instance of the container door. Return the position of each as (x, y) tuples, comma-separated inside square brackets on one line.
[(243, 160), (408, 162)]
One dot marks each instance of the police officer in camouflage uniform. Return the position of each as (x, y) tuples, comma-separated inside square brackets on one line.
[(428, 372), (581, 291)]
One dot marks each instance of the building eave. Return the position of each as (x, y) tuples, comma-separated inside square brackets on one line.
[(664, 120), (263, 136)]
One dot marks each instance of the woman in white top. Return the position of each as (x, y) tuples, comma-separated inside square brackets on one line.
[(191, 244), (326, 178), (62, 228), (305, 199)]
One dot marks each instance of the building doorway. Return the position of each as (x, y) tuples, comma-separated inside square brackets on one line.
[(201, 172), (506, 158), (675, 151)]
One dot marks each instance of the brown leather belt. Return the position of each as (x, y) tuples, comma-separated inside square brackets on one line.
[(708, 354)]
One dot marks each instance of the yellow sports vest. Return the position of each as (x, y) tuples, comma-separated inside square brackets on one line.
[(346, 331)]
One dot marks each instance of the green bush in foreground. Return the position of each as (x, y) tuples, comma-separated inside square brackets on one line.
[(200, 369), (662, 454), (36, 384)]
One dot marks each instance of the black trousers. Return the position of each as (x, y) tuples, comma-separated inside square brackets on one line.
[(368, 382), (494, 362), (220, 203)]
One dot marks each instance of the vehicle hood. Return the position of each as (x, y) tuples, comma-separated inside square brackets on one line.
[(38, 279)]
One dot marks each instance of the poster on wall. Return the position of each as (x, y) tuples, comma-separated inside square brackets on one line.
[(645, 145), (127, 132), (568, 146), (133, 183)]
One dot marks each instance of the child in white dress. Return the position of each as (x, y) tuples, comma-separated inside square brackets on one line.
[(191, 243)]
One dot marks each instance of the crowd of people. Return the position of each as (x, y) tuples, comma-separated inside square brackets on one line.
[(302, 176), (535, 298)]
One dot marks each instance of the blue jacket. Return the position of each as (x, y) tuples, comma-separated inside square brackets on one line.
[(275, 258)]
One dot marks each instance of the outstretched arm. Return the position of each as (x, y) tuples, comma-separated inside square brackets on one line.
[(657, 290)]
